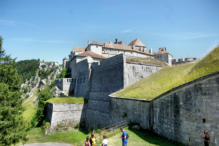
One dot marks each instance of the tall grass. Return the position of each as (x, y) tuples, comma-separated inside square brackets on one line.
[(171, 77)]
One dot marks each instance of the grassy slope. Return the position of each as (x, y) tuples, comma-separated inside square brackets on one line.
[(140, 138), (29, 108), (147, 60), (171, 77), (66, 100), (77, 138)]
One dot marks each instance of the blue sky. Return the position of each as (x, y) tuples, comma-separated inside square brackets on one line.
[(49, 29)]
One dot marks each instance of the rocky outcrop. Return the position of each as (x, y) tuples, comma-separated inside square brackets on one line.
[(50, 71)]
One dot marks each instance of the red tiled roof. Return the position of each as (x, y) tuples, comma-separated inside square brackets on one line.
[(91, 54), (95, 43), (117, 46), (123, 47), (78, 49), (161, 51), (137, 42)]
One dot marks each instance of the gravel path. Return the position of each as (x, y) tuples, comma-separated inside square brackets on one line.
[(47, 144)]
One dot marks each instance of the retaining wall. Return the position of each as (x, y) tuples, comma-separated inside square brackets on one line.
[(184, 113), (65, 114), (135, 72), (106, 77), (181, 114)]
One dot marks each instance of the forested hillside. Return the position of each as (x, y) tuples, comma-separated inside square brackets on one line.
[(27, 68)]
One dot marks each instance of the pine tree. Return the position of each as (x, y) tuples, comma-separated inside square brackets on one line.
[(12, 128)]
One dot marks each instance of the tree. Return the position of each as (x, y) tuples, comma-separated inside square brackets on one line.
[(40, 115), (12, 127)]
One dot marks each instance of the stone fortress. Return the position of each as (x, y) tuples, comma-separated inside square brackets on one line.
[(82, 59), (99, 70)]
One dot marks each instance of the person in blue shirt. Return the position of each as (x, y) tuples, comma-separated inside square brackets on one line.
[(124, 137)]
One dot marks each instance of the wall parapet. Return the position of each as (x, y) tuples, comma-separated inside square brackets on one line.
[(181, 114), (186, 84)]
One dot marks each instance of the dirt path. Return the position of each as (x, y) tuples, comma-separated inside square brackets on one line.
[(47, 144)]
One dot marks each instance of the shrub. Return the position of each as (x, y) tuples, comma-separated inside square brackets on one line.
[(39, 117)]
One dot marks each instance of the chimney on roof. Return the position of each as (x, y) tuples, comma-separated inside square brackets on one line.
[(116, 41), (151, 51)]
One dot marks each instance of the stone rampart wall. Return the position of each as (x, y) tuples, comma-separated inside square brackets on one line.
[(65, 114), (65, 84), (135, 111), (107, 77), (184, 113), (181, 114), (135, 72), (82, 79)]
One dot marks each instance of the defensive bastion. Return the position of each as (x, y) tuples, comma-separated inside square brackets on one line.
[(180, 114)]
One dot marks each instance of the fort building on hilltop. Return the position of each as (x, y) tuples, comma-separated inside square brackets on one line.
[(97, 71), (135, 48), (139, 62)]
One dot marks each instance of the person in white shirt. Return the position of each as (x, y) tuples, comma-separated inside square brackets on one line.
[(105, 141)]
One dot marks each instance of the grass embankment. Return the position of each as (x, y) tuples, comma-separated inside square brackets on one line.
[(171, 77), (77, 138), (57, 100), (148, 61), (29, 108)]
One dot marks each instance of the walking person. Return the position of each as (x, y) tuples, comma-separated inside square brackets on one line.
[(124, 137), (87, 143), (93, 140), (206, 138), (105, 141)]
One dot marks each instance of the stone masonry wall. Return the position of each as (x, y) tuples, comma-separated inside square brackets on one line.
[(107, 77), (129, 110), (65, 84), (82, 79), (183, 114), (65, 114), (134, 72)]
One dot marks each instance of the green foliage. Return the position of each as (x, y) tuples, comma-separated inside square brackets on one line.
[(39, 117), (171, 77), (62, 74), (29, 110), (27, 68), (77, 138), (148, 60), (12, 128), (66, 100), (140, 138), (44, 73)]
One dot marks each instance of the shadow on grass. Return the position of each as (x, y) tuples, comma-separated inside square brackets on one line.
[(153, 138)]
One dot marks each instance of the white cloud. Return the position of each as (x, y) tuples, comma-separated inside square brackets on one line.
[(127, 31), (40, 41), (15, 23), (194, 35), (7, 22)]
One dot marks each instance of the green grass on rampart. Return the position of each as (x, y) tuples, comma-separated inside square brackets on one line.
[(171, 77), (148, 61), (69, 100), (77, 138)]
